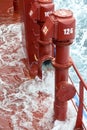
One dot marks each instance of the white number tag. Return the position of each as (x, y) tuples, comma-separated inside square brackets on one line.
[(68, 31)]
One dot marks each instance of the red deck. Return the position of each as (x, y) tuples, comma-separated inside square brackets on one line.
[(13, 74)]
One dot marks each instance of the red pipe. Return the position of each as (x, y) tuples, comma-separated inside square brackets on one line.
[(62, 57), (39, 11), (62, 25)]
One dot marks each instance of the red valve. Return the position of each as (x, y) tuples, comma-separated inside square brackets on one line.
[(40, 10), (66, 25), (61, 24)]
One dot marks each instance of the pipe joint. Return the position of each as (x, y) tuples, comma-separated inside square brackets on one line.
[(62, 66)]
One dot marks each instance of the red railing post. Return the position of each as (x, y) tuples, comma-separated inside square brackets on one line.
[(80, 108)]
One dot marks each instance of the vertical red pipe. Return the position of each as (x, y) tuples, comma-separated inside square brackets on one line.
[(39, 12), (61, 74)]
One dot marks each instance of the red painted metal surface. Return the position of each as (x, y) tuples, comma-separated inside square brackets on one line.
[(4, 6), (62, 24), (31, 34), (9, 11), (66, 91), (39, 12), (16, 6)]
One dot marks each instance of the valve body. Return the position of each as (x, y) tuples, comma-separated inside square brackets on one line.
[(39, 12)]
